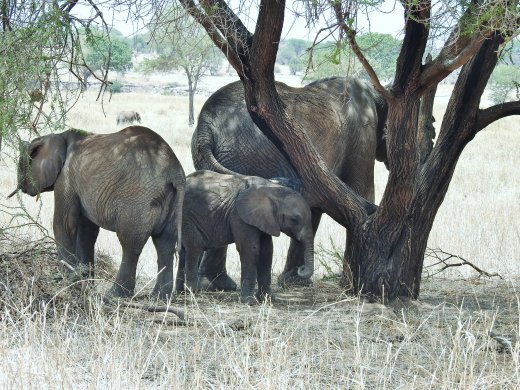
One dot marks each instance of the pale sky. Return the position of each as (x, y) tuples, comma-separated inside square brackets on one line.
[(389, 20)]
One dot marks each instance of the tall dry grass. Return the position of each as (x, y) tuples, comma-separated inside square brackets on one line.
[(308, 338)]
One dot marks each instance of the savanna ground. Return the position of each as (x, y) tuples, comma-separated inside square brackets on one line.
[(54, 334)]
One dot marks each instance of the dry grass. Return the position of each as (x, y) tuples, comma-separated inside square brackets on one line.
[(52, 336)]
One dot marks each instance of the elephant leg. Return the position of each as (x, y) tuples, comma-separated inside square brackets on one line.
[(124, 283), (65, 226), (248, 244), (264, 267), (165, 247), (85, 243), (191, 266), (295, 258), (212, 271)]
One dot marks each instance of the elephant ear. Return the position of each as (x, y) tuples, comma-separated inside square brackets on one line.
[(47, 155), (256, 208)]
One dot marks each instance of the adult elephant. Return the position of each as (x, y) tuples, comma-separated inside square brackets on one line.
[(129, 182), (344, 119)]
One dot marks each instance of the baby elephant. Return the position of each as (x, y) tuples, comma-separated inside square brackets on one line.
[(247, 210), (128, 117), (129, 182)]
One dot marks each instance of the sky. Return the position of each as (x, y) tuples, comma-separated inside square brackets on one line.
[(388, 20)]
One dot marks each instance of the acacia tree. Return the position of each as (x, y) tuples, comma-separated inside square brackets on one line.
[(389, 240), (39, 43), (183, 44)]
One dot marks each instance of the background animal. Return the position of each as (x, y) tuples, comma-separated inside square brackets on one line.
[(343, 117), (129, 182), (247, 210), (127, 117)]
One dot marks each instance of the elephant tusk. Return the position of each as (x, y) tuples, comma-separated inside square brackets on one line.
[(38, 197), (12, 193)]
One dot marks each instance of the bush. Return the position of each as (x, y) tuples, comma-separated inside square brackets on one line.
[(115, 87)]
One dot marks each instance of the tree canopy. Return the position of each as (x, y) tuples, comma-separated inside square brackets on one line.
[(104, 52)]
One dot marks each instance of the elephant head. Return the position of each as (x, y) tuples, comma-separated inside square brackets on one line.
[(273, 208), (40, 164)]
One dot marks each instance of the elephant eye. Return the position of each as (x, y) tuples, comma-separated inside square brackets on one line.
[(295, 220)]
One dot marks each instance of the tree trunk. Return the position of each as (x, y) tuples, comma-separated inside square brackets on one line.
[(388, 252), (191, 94)]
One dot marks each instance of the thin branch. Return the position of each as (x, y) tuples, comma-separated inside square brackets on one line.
[(68, 5), (341, 18), (156, 309), (494, 113), (444, 258), (452, 56), (213, 32)]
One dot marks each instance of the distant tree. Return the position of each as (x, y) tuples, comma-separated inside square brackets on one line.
[(104, 52), (504, 80), (334, 59), (140, 43), (183, 44), (292, 53)]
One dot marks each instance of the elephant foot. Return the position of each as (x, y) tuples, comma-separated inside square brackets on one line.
[(249, 300), (118, 291), (220, 282), (161, 292), (264, 296), (179, 285), (292, 279)]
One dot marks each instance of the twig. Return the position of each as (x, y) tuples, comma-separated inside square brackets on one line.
[(443, 258)]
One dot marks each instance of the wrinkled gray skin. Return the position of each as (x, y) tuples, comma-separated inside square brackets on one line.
[(247, 210), (128, 117), (129, 182), (344, 119)]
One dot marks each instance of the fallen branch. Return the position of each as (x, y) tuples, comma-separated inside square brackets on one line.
[(444, 257), (157, 309)]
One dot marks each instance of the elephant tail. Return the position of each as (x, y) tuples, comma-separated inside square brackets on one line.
[(202, 150)]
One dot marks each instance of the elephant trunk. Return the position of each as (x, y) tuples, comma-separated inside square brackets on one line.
[(307, 269)]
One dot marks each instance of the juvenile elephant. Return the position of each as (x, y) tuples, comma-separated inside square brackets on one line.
[(247, 210), (128, 117), (129, 182), (344, 119)]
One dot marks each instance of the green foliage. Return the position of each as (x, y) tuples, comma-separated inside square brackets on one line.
[(504, 80), (292, 53), (182, 43), (334, 59), (36, 44), (113, 52), (115, 86)]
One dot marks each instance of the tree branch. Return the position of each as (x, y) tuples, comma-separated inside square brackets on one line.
[(453, 55), (224, 28), (267, 36), (409, 62), (494, 113), (341, 18)]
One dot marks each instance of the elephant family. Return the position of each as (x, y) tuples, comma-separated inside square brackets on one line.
[(221, 209), (344, 119), (128, 117), (129, 182)]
